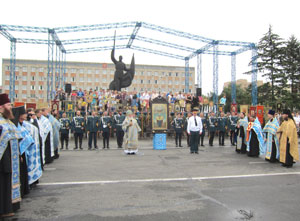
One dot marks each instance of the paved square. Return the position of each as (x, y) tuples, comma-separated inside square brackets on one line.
[(172, 184)]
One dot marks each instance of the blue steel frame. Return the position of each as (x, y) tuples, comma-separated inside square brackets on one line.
[(58, 80)]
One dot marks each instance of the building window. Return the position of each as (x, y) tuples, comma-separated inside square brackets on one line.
[(24, 69), (7, 68), (81, 71), (24, 87), (104, 80), (104, 72), (170, 74), (81, 79), (24, 96), (16, 95), (89, 71), (155, 73), (16, 87), (149, 73), (97, 71), (41, 87), (24, 78), (6, 87), (170, 82), (16, 68), (7, 77), (17, 77), (142, 81), (149, 82), (32, 69), (41, 78), (176, 74), (73, 79), (73, 70), (142, 73), (89, 80), (32, 87), (41, 70), (155, 81), (32, 78)]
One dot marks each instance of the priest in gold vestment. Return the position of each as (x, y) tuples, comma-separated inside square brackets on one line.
[(288, 140)]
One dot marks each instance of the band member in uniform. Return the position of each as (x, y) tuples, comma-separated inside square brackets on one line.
[(212, 123), (178, 127), (222, 122), (92, 127), (64, 130), (204, 126), (185, 128), (78, 127), (118, 121), (232, 126), (194, 129), (105, 126)]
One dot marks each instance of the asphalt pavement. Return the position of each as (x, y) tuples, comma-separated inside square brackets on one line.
[(171, 184)]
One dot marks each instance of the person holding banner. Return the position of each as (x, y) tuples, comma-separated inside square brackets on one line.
[(255, 140)]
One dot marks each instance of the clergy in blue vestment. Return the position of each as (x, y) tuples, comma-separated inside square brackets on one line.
[(271, 140), (255, 140)]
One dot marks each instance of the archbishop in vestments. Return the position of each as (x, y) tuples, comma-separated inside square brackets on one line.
[(131, 133)]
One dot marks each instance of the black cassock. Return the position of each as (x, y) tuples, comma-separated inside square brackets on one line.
[(242, 135), (48, 158), (5, 182), (254, 145), (24, 175)]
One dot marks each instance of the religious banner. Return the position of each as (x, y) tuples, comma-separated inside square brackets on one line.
[(41, 105), (260, 114), (253, 110), (55, 105), (31, 105), (69, 106), (19, 104), (244, 109), (160, 113), (233, 108)]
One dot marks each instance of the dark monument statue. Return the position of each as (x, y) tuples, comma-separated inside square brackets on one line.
[(121, 79)]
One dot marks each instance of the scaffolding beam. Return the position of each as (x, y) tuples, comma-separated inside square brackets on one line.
[(199, 71), (187, 74), (215, 74), (12, 75), (254, 76), (233, 78)]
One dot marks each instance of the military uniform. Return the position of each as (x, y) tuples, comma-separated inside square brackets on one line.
[(204, 126), (118, 121), (78, 127), (64, 131), (185, 129), (222, 123), (232, 121), (92, 126), (212, 127), (178, 124), (105, 126)]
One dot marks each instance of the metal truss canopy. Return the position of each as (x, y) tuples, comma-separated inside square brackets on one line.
[(200, 45)]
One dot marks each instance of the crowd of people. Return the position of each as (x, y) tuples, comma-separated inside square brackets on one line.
[(30, 138)]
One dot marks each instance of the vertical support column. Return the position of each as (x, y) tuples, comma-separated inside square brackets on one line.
[(64, 68), (215, 73), (56, 67), (233, 78), (50, 66), (187, 74), (12, 75), (199, 70), (254, 76)]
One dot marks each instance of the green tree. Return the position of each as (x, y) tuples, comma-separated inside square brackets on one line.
[(291, 70), (269, 62)]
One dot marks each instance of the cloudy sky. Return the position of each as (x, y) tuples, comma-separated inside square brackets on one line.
[(235, 20)]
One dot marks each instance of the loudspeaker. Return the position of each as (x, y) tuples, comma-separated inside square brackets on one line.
[(68, 88), (199, 92)]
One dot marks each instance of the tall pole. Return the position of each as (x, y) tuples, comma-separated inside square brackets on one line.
[(233, 78)]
